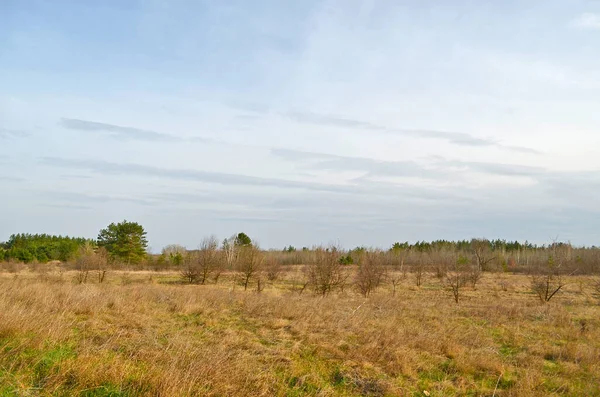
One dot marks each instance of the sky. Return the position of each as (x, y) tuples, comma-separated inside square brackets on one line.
[(356, 122)]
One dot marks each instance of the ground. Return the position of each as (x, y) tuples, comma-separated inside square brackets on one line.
[(140, 333)]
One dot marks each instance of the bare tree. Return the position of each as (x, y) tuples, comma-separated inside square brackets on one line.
[(547, 285), (371, 272), (418, 269), (208, 259), (325, 272), (249, 264), (456, 277), (101, 265), (395, 281), (230, 250), (483, 252), (396, 258), (548, 279), (218, 270)]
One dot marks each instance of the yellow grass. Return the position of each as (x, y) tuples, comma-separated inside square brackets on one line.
[(139, 335)]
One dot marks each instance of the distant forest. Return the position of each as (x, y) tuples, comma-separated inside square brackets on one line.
[(42, 248)]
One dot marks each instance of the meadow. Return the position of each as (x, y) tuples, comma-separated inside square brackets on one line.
[(146, 333)]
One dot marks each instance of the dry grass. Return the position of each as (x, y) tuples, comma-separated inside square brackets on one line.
[(139, 334)]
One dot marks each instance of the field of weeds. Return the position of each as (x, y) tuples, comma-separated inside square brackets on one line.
[(141, 333)]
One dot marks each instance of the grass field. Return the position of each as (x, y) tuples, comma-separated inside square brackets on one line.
[(139, 333)]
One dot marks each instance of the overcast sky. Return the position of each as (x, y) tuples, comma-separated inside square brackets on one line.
[(302, 122)]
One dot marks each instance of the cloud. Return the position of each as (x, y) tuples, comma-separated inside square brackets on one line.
[(109, 168), (6, 133), (10, 179), (448, 183), (68, 207), (124, 133), (359, 187), (494, 168), (457, 138), (371, 167), (455, 183), (440, 169), (520, 149), (213, 198), (72, 176), (118, 132), (587, 21), (561, 183), (576, 188), (79, 198), (322, 119)]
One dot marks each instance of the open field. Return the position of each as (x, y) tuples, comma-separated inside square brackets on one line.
[(139, 333)]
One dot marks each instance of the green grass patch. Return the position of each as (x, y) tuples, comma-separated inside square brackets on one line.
[(106, 390)]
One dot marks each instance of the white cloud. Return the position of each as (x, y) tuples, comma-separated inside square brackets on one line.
[(587, 21)]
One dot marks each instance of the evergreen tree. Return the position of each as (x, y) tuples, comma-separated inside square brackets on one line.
[(125, 241)]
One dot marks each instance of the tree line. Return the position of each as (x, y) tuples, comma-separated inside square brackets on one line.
[(126, 243), (42, 248), (322, 269)]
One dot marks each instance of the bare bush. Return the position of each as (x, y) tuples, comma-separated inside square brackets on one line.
[(474, 275), (345, 276), (442, 260), (300, 281), (272, 267), (325, 272), (370, 273), (547, 285), (596, 286), (91, 259), (503, 282), (189, 273), (290, 256), (12, 266), (218, 270)]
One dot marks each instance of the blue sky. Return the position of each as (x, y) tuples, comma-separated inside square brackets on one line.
[(301, 122)]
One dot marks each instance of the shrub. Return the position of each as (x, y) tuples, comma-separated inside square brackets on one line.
[(325, 272), (370, 274)]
